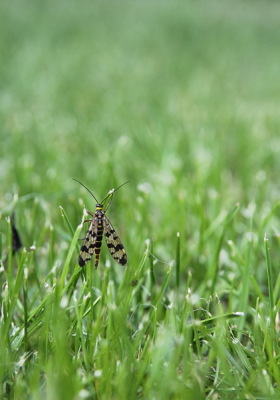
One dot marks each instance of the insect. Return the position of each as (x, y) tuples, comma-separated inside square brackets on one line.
[(100, 224)]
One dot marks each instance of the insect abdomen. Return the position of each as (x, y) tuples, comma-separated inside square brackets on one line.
[(98, 243)]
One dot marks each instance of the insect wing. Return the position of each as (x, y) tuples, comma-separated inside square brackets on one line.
[(88, 246), (113, 242)]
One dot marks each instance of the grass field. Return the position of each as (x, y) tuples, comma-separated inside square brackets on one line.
[(182, 100)]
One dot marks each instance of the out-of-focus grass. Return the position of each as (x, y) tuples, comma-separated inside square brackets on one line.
[(181, 99)]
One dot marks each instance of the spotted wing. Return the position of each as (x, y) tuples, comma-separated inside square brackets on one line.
[(113, 242), (88, 246)]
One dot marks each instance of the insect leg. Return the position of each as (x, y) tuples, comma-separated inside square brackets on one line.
[(110, 201)]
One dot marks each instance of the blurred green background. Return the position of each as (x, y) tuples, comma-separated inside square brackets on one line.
[(179, 98)]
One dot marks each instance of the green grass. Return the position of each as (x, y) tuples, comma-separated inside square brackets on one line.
[(182, 100)]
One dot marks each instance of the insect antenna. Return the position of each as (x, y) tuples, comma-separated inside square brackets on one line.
[(112, 191), (87, 189)]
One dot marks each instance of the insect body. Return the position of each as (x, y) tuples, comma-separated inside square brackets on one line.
[(99, 225)]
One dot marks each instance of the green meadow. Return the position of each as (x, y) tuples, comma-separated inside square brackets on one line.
[(181, 99)]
